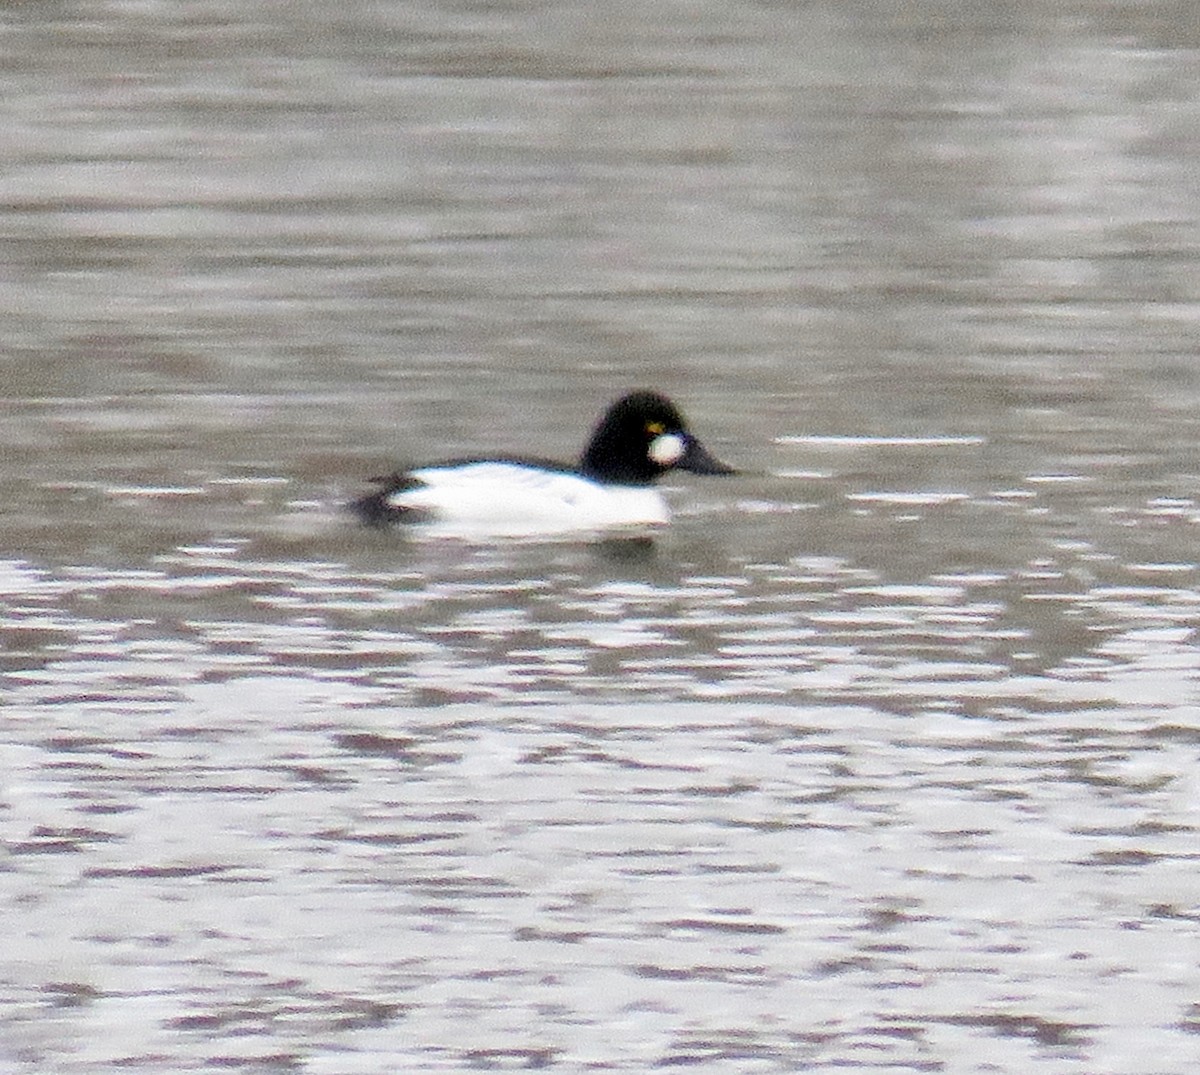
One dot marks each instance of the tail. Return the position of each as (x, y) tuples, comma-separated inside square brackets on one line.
[(377, 508)]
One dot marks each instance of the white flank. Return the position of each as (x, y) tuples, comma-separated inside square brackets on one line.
[(513, 500)]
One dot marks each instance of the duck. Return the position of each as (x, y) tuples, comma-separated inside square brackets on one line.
[(641, 437)]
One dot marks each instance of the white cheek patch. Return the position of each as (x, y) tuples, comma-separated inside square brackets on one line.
[(666, 449)]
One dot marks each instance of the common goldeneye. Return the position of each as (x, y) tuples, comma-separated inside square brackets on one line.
[(640, 438)]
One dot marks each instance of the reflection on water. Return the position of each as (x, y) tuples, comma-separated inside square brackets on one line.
[(299, 871), (883, 757), (542, 622), (542, 806)]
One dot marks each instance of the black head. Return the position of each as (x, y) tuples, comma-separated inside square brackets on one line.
[(641, 437)]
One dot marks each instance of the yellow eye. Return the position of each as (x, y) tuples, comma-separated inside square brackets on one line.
[(655, 428)]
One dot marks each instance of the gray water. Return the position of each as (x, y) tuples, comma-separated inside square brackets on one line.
[(885, 758)]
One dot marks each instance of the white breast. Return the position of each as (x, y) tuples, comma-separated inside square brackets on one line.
[(504, 499)]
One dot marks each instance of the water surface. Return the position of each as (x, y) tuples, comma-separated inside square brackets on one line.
[(883, 758)]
